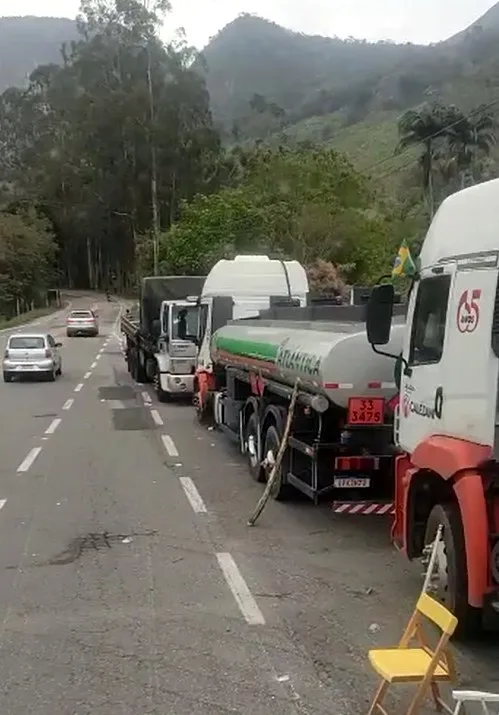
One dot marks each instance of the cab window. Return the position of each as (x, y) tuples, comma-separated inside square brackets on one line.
[(430, 317)]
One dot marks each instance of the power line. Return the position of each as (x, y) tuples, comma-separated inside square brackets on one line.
[(477, 111)]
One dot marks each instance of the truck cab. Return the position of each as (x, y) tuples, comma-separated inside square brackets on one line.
[(176, 347), (447, 426), (241, 288)]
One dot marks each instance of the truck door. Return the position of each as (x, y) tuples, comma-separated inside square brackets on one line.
[(470, 377), (422, 390)]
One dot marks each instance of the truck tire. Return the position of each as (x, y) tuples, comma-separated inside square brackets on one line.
[(251, 435), (161, 394), (280, 491), (452, 582), (138, 372)]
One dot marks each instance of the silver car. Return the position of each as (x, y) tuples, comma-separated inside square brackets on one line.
[(82, 322), (35, 354)]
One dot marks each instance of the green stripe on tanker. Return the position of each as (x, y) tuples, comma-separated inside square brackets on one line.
[(245, 348)]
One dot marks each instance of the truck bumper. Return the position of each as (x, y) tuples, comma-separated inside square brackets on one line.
[(177, 384)]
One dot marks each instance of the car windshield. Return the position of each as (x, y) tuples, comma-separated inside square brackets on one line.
[(81, 314), (26, 343)]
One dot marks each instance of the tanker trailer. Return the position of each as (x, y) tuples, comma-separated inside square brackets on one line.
[(341, 442)]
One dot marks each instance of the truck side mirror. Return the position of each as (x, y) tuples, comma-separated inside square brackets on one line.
[(379, 313), (156, 328)]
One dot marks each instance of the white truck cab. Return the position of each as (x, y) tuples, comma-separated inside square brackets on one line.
[(177, 347), (241, 288), (447, 471)]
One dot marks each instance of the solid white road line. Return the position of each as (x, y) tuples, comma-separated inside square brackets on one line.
[(53, 426), (192, 494), (29, 459), (157, 417), (86, 375), (67, 404), (169, 445), (78, 387), (3, 502), (146, 397), (244, 598), (93, 365)]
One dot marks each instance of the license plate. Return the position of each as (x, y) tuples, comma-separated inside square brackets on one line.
[(352, 482), (366, 410)]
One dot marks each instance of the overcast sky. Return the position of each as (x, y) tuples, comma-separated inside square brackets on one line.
[(419, 21)]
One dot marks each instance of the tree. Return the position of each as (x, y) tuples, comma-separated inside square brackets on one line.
[(469, 140), (425, 127), (110, 142), (27, 253), (308, 205)]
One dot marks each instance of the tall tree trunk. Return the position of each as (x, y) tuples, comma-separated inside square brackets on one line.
[(154, 176), (89, 264)]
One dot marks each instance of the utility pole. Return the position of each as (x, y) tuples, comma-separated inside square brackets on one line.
[(154, 176)]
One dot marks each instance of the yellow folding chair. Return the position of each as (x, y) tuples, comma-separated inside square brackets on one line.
[(422, 665)]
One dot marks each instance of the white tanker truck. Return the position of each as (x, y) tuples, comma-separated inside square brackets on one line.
[(341, 443)]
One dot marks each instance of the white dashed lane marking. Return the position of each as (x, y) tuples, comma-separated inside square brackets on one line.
[(29, 459), (86, 375), (169, 445), (192, 494), (147, 398), (243, 596), (67, 404), (3, 502), (53, 426), (79, 387), (157, 417), (93, 365)]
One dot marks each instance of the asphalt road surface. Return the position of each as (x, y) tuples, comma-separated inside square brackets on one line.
[(131, 584)]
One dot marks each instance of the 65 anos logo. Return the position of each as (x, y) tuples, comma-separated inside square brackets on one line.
[(468, 310)]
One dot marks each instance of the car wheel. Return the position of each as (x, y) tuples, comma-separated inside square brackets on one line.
[(7, 377), (59, 370), (51, 375)]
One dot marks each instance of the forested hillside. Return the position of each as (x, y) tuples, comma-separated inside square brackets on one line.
[(266, 80), (26, 42)]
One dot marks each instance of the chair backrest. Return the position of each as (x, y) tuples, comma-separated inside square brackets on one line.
[(437, 614)]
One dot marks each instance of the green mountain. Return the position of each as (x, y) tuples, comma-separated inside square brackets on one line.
[(26, 42), (269, 83)]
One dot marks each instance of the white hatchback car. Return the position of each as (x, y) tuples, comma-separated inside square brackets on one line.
[(35, 354)]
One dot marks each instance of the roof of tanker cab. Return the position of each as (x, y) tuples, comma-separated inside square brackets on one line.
[(256, 276)]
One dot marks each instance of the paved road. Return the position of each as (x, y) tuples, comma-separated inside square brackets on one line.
[(132, 585)]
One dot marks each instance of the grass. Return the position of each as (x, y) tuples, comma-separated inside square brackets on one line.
[(26, 317)]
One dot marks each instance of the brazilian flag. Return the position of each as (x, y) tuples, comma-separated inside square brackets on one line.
[(404, 264)]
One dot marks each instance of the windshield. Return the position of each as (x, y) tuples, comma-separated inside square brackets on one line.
[(27, 343), (185, 322), (81, 314)]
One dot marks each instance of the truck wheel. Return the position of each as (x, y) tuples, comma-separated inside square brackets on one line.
[(251, 447), (280, 491), (451, 580), (161, 394), (138, 372)]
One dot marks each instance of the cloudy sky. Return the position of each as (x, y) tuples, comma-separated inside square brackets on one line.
[(419, 21)]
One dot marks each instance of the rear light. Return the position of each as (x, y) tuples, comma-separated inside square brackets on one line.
[(47, 353), (356, 464)]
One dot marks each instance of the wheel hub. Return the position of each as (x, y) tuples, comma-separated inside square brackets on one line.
[(251, 449)]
